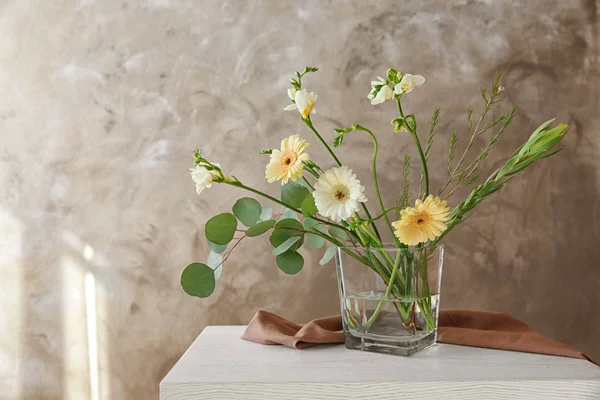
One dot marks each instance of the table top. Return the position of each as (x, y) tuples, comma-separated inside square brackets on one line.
[(220, 365)]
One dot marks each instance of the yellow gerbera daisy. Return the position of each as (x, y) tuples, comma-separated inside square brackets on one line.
[(426, 221), (286, 163)]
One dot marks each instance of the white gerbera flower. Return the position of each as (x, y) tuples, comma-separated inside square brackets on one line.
[(303, 101), (338, 193), (408, 83)]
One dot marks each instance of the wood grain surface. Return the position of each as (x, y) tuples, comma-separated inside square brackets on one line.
[(220, 365)]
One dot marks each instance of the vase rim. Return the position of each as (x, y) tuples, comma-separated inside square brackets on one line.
[(390, 246)]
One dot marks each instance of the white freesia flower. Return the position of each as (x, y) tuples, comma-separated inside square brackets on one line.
[(338, 193), (385, 93), (304, 102), (202, 177), (408, 83), (379, 96), (291, 93)]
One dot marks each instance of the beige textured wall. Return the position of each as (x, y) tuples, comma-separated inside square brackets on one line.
[(103, 101)]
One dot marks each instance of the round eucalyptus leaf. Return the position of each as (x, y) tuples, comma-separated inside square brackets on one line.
[(198, 280), (329, 253), (217, 248), (286, 245), (266, 213), (339, 233), (309, 207), (315, 240), (221, 228), (289, 214), (293, 194), (247, 210), (215, 262), (260, 228), (290, 262), (311, 224), (285, 229)]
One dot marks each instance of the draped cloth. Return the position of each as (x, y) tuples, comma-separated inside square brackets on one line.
[(490, 330)]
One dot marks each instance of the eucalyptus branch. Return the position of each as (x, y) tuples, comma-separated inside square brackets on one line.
[(228, 252), (273, 199), (329, 238)]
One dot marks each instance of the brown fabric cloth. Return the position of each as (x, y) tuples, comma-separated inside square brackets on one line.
[(461, 327)]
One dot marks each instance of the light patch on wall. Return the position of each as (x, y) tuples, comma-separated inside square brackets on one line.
[(92, 338), (11, 237), (159, 3), (86, 363), (74, 73)]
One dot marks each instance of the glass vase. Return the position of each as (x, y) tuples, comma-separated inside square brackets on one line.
[(389, 297)]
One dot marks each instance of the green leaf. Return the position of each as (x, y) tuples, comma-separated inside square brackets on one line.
[(198, 280), (293, 194), (339, 233), (266, 213), (221, 228), (260, 228), (337, 142), (313, 239), (285, 229), (392, 75), (217, 248), (290, 262), (329, 253), (309, 208), (310, 223), (286, 245), (403, 201), (215, 262), (247, 210), (289, 214)]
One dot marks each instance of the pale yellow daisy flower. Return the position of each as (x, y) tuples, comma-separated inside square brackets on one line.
[(286, 164), (426, 221)]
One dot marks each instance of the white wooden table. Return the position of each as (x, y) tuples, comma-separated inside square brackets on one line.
[(220, 365)]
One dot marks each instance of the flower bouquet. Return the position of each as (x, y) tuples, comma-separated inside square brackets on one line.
[(389, 292)]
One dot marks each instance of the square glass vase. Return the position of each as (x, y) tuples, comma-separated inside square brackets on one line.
[(389, 297)]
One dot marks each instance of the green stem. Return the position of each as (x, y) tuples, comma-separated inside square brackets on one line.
[(309, 123), (273, 199), (383, 213), (308, 183), (373, 317), (376, 182), (413, 132)]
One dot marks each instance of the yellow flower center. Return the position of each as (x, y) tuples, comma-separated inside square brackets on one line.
[(341, 192), (289, 158), (421, 218)]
